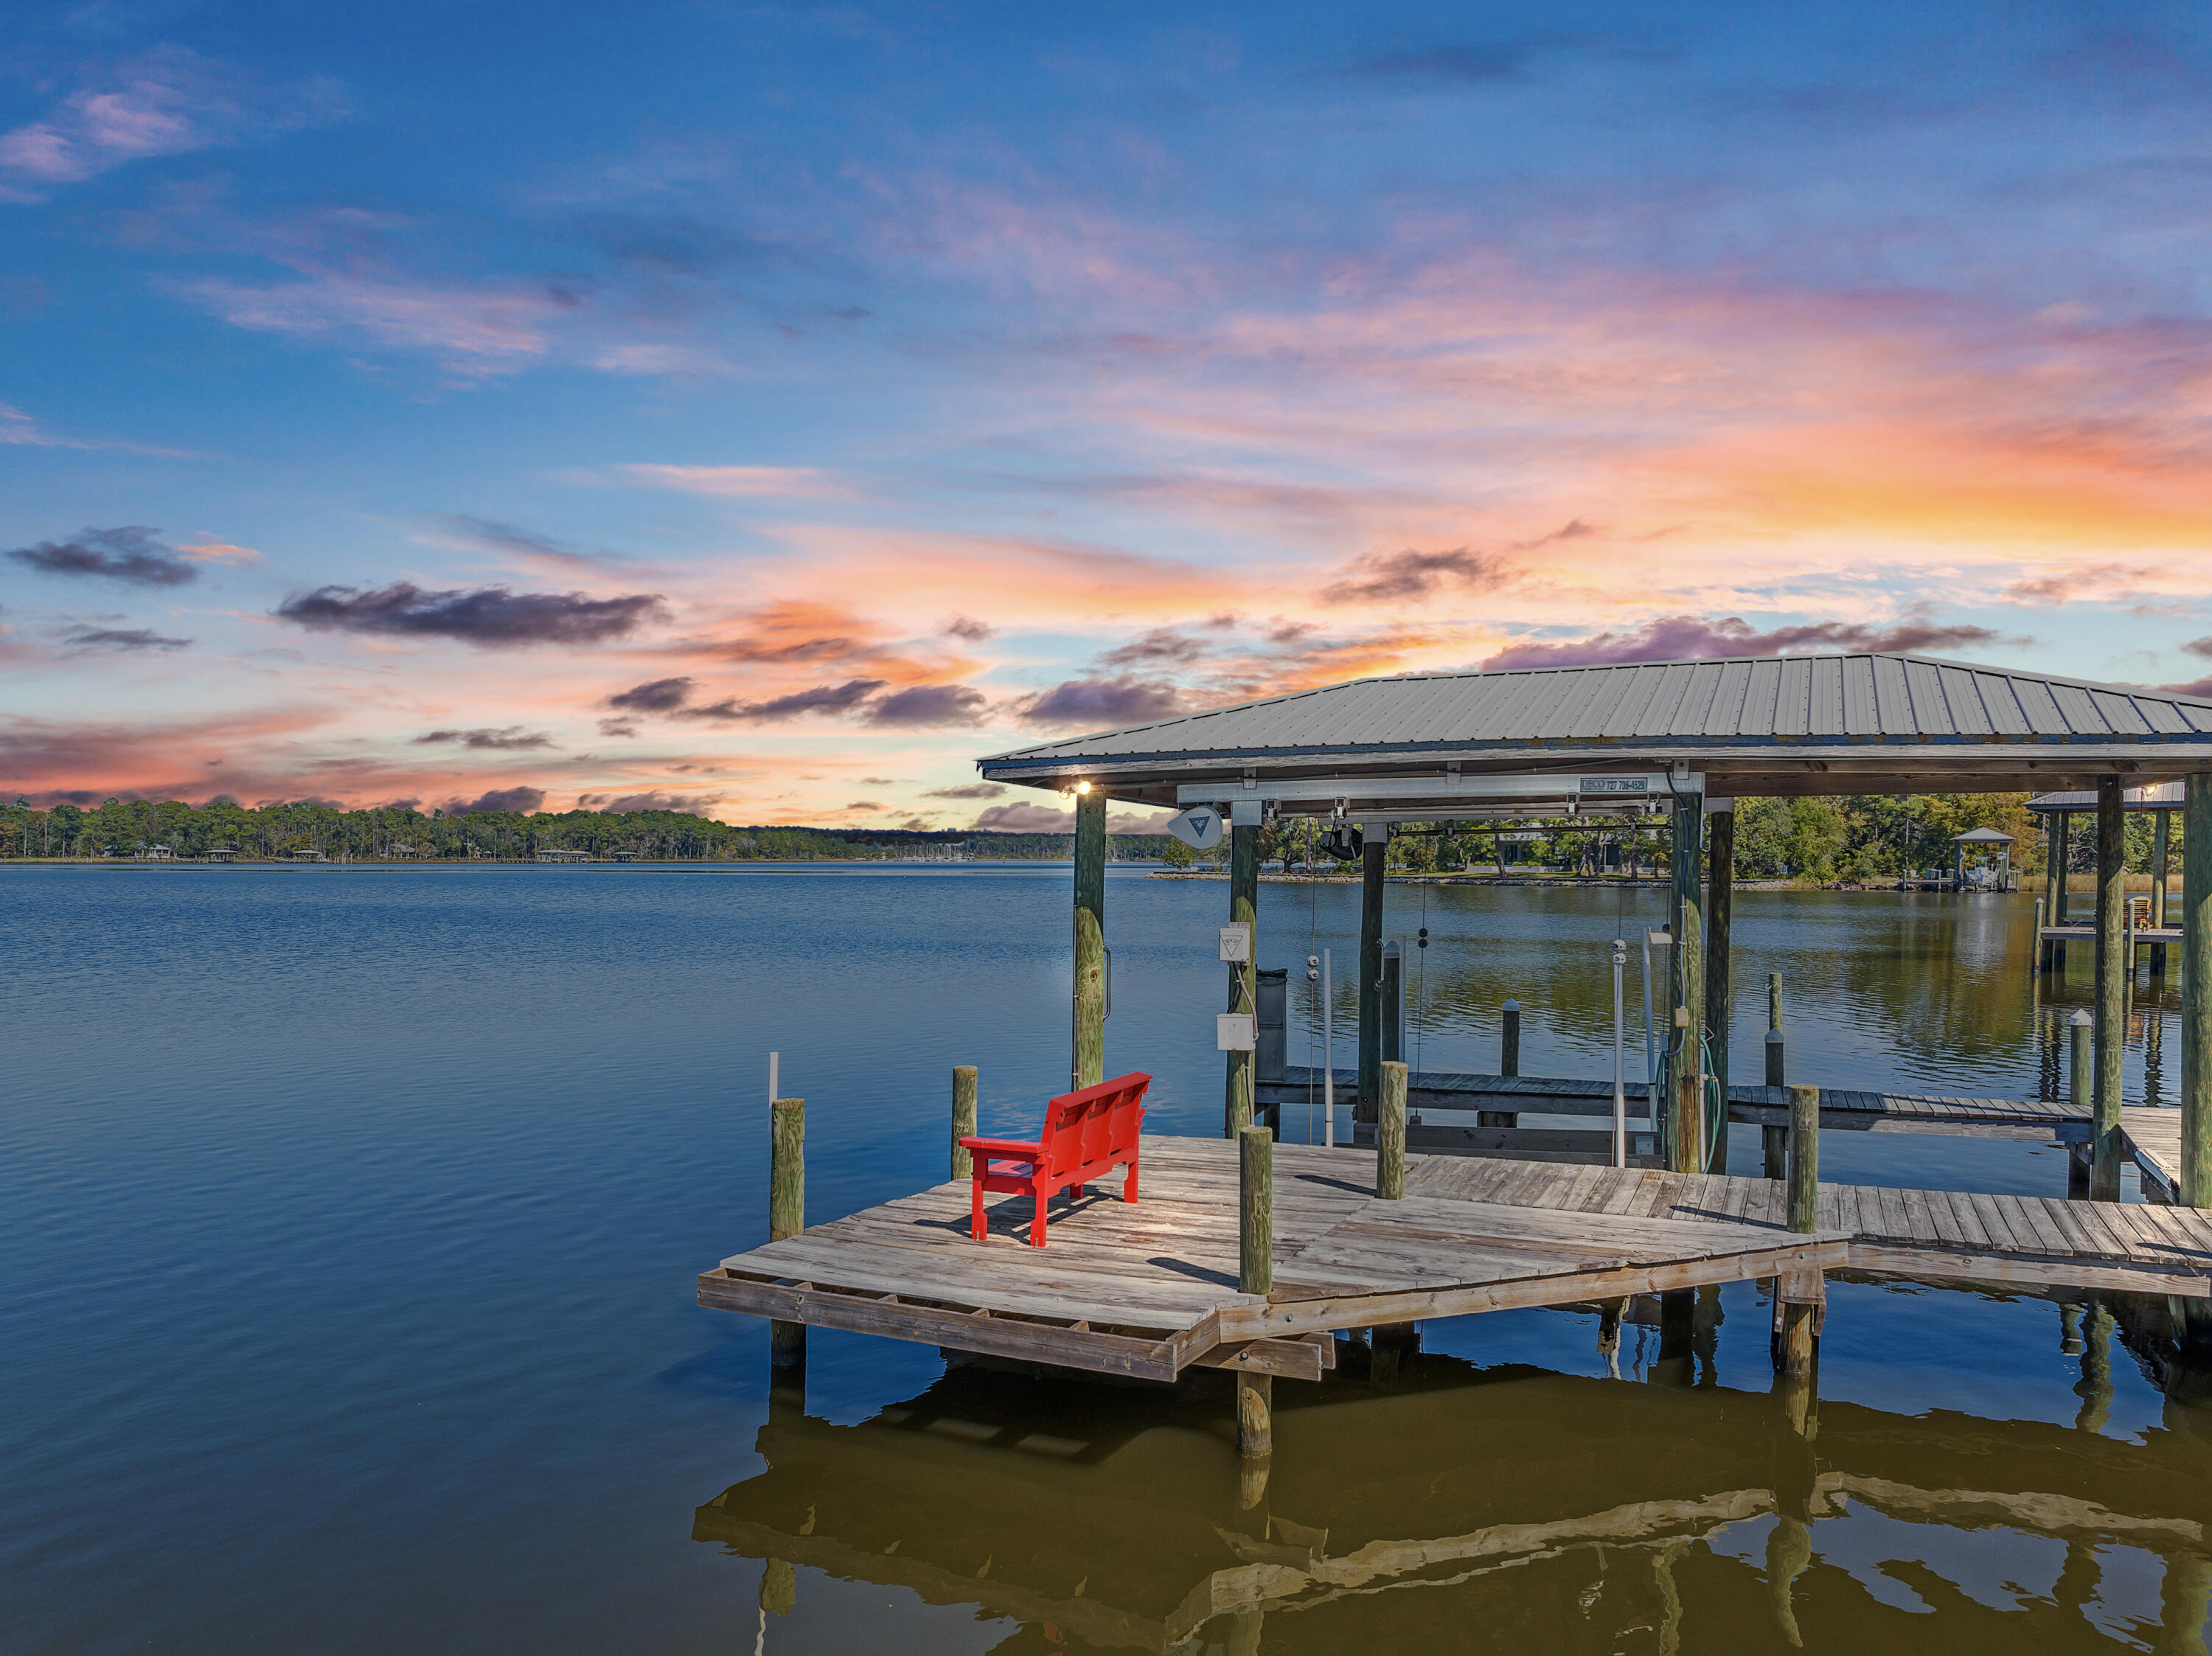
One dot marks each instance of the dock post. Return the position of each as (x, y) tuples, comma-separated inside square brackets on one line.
[(1374, 849), (1256, 1425), (786, 1214), (2112, 975), (1087, 1065), (2041, 957), (2159, 867), (1255, 1211), (964, 1121), (1686, 1139), (1509, 1064), (2081, 1093), (2196, 1190), (1796, 1318), (1720, 988), (1244, 975), (1394, 1002), (1774, 1141), (1390, 1136)]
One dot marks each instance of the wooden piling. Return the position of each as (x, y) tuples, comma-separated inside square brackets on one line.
[(963, 1119), (1686, 1135), (1244, 975), (1374, 848), (1087, 1057), (2081, 1093), (1774, 1141), (1799, 1296), (1255, 1211), (1804, 1158), (2196, 991), (1255, 1411), (1720, 990), (1390, 1136), (787, 1211), (2112, 975), (1508, 1040)]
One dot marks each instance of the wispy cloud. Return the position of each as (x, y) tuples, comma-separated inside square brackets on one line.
[(490, 617), (741, 483), (1690, 638), (132, 554)]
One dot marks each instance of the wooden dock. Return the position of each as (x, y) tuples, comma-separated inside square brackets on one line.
[(1151, 1290), (1841, 1108)]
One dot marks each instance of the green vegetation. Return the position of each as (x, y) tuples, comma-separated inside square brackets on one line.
[(131, 829)]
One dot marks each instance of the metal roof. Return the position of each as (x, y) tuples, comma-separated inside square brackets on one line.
[(1981, 837), (1824, 724), (2150, 796)]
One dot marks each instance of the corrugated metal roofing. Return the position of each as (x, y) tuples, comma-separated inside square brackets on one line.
[(1788, 701), (2151, 795)]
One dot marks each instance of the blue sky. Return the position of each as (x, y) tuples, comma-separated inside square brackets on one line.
[(769, 409)]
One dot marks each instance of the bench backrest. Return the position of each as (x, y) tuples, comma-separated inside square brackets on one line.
[(1096, 1127)]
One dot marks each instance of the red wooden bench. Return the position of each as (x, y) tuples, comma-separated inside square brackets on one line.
[(1086, 1135)]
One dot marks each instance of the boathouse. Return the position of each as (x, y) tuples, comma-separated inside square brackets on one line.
[(1263, 1250)]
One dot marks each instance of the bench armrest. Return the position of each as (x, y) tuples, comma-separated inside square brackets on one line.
[(1002, 1147)]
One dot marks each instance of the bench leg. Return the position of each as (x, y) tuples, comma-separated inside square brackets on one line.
[(978, 1227), (1129, 1184), (1036, 1231)]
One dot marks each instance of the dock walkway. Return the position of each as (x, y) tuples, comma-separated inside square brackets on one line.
[(1151, 1290)]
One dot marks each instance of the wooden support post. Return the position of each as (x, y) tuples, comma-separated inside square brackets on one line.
[(2197, 991), (1255, 1211), (1774, 1141), (1686, 1128), (1393, 1004), (963, 1119), (1389, 1345), (2081, 1093), (1797, 1304), (1256, 1415), (786, 1212), (2159, 869), (1509, 1064), (1244, 975), (1720, 989), (1390, 1136), (2112, 975), (1374, 848), (1087, 1059)]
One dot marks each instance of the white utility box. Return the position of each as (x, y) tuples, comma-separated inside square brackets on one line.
[(1236, 942), (1235, 1032)]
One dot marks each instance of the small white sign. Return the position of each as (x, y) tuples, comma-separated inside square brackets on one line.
[(1235, 1032), (1199, 828), (1236, 942)]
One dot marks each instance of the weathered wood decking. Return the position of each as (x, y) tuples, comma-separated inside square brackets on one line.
[(1151, 1290)]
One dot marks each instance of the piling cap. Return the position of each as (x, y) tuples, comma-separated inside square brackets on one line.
[(1512, 1006), (1773, 1037), (2081, 1016)]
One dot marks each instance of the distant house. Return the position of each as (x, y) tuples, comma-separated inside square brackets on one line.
[(221, 854), (625, 856), (562, 856), (306, 856), (158, 854), (402, 850)]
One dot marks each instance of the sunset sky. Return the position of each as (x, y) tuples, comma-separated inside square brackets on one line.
[(769, 410)]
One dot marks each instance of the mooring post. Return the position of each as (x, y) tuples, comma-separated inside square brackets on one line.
[(2196, 1190), (787, 1213), (1255, 1417), (2081, 1093), (1796, 1317), (1087, 1058), (1244, 975), (1375, 846), (1390, 1136), (1394, 1002), (1720, 989), (1686, 1139), (963, 1119), (1255, 1211), (1774, 1139), (1509, 1064), (2157, 878), (2112, 975)]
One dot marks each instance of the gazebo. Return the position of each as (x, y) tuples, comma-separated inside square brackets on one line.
[(1983, 841), (1685, 739)]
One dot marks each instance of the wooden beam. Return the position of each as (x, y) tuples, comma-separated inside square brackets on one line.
[(1686, 1005), (1720, 989), (1306, 1358), (1244, 974)]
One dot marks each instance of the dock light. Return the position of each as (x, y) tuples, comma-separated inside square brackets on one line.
[(1083, 787)]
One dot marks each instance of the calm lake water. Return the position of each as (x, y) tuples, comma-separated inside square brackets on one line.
[(348, 1220)]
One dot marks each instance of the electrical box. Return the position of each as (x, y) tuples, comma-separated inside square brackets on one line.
[(1235, 1032), (1236, 947)]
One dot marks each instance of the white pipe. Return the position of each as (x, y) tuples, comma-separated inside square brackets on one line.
[(1327, 1059)]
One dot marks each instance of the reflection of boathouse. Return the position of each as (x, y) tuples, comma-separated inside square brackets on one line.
[(1554, 1513)]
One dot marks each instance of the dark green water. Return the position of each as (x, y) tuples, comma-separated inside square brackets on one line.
[(348, 1220)]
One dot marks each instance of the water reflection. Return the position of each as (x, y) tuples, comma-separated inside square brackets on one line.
[(1429, 1504)]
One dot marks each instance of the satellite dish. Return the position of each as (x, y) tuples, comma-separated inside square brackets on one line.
[(1199, 828)]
